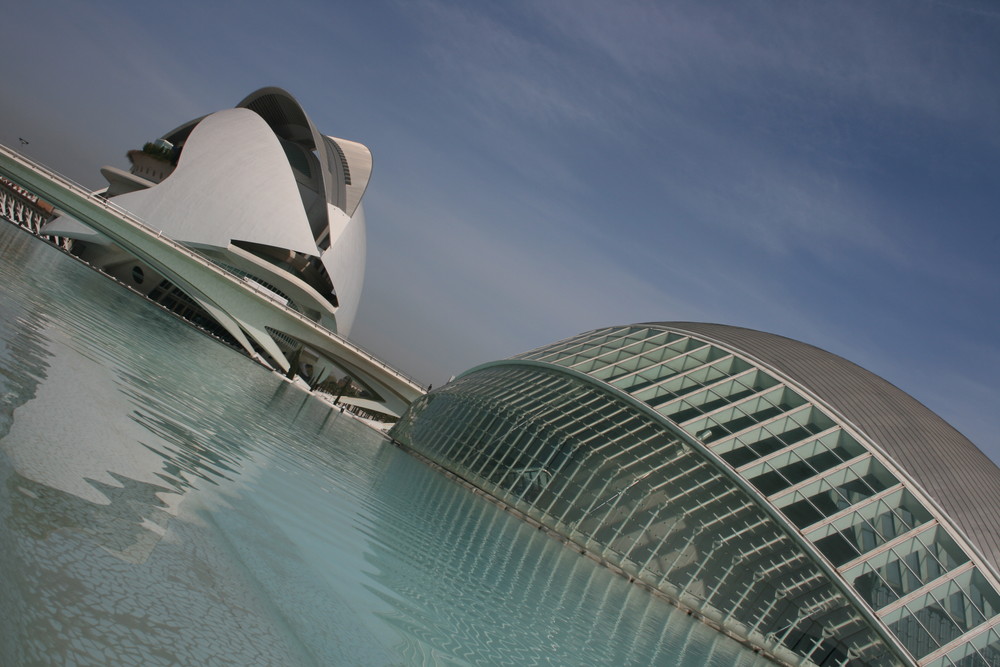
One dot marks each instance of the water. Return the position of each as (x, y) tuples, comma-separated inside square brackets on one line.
[(163, 500)]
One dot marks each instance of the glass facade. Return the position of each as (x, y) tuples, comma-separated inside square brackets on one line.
[(714, 481)]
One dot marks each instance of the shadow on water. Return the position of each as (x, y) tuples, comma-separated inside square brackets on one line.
[(122, 526)]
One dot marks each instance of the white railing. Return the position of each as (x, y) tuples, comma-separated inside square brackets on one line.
[(128, 217)]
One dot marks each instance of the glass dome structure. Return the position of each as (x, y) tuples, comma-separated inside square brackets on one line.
[(784, 495)]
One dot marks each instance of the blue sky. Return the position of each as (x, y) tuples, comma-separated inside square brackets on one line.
[(825, 171)]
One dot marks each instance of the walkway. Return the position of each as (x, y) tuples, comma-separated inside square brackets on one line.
[(246, 313)]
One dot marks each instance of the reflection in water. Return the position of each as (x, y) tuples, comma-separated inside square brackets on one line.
[(547, 602), (165, 501), (23, 357)]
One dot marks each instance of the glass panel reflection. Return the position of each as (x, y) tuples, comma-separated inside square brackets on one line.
[(626, 486), (621, 486)]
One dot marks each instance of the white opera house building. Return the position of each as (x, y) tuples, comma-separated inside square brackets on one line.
[(258, 191)]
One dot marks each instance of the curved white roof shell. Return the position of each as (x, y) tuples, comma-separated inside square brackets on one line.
[(345, 262), (232, 183), (259, 179)]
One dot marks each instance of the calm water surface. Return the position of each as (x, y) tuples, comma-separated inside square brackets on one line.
[(165, 501)]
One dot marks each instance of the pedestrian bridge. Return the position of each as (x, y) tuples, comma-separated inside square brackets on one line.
[(251, 316)]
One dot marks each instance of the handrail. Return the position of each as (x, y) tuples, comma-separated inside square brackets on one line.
[(128, 217)]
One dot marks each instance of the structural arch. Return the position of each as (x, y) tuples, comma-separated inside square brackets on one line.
[(739, 489)]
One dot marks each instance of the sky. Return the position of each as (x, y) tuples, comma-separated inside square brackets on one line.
[(824, 171)]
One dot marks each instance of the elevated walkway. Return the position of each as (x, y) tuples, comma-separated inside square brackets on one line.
[(246, 313)]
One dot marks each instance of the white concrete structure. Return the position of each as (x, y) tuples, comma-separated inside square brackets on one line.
[(257, 190), (260, 197), (257, 319)]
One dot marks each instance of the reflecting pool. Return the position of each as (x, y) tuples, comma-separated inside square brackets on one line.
[(164, 500)]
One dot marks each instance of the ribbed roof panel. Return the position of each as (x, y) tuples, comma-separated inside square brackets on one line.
[(946, 464)]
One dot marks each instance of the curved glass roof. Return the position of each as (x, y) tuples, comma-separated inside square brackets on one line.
[(726, 484), (957, 475)]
